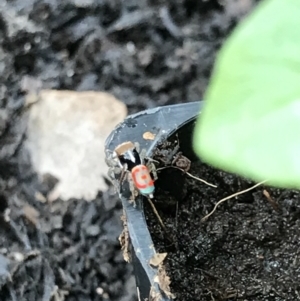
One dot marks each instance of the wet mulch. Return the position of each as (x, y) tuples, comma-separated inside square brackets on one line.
[(248, 249), (146, 53), (63, 250)]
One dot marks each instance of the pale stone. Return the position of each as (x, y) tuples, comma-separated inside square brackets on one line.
[(66, 135)]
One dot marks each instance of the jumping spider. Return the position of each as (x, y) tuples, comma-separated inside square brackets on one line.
[(127, 160)]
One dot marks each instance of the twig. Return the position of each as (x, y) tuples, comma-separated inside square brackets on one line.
[(273, 203), (190, 175), (201, 180), (229, 197), (157, 215)]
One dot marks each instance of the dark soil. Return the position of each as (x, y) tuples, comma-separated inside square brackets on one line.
[(248, 249), (147, 53)]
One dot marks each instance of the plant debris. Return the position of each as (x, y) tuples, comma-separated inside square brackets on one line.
[(228, 198), (148, 136), (163, 280), (124, 239), (157, 259)]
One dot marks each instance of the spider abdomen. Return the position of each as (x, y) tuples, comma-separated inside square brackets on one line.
[(142, 180)]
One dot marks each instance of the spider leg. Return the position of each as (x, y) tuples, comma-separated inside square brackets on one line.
[(152, 169), (111, 173), (113, 162), (143, 154), (124, 172)]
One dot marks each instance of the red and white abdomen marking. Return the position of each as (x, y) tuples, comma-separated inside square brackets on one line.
[(142, 179)]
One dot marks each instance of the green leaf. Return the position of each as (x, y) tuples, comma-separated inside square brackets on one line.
[(250, 124)]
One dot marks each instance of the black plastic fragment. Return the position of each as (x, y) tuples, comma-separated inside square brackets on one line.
[(161, 121)]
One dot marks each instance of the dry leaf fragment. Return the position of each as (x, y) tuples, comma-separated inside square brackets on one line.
[(163, 280), (273, 203), (157, 259), (154, 295), (31, 214), (148, 136), (124, 239)]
